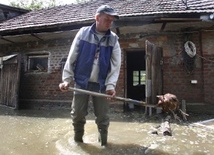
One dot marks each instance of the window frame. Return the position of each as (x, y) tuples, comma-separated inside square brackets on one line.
[(29, 60), (139, 77)]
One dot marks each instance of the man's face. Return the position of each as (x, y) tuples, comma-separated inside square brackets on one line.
[(103, 22)]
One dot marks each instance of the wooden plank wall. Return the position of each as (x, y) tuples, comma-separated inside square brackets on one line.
[(10, 76)]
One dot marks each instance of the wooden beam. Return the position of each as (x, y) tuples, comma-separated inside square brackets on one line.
[(34, 35), (163, 26), (6, 39), (178, 19)]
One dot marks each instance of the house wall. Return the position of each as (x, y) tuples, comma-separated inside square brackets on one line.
[(41, 89), (8, 12), (208, 65), (176, 78)]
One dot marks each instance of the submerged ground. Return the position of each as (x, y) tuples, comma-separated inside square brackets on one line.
[(45, 132)]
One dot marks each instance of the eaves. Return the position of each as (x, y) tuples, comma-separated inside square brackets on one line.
[(125, 20)]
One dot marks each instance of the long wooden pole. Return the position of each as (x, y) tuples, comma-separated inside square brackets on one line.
[(109, 96)]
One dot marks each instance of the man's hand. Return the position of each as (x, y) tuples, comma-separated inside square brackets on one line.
[(63, 86), (111, 93)]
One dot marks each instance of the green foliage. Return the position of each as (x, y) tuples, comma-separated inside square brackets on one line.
[(33, 4), (39, 4), (82, 1)]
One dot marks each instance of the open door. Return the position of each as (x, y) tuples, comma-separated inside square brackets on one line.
[(154, 73), (136, 75), (10, 79)]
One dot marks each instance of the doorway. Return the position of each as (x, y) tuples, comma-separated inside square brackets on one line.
[(136, 75), (144, 74)]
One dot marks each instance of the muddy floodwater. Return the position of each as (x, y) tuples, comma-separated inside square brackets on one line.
[(45, 132)]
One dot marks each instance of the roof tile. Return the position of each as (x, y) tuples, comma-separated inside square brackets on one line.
[(84, 12)]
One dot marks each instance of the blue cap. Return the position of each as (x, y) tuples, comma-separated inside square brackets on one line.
[(107, 10)]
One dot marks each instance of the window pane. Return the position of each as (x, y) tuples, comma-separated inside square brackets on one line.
[(38, 63), (143, 77), (135, 78)]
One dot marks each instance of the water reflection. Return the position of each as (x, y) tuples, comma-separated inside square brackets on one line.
[(43, 132)]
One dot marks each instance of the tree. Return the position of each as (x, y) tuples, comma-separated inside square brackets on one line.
[(39, 4), (33, 4), (82, 1)]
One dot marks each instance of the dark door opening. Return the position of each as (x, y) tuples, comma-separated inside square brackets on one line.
[(136, 75)]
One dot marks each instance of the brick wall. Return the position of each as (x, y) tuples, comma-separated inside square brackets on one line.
[(208, 65), (41, 89), (176, 78)]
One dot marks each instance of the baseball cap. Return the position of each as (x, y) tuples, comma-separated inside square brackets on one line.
[(107, 10)]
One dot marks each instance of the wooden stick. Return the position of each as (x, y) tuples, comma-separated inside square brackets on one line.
[(109, 96), (165, 127)]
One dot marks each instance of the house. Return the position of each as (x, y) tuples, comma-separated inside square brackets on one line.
[(167, 46), (8, 12)]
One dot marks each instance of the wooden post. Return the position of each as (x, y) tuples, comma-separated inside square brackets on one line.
[(183, 106), (148, 71), (165, 127), (1, 81)]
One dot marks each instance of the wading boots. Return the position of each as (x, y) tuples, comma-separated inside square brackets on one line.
[(103, 134), (78, 137)]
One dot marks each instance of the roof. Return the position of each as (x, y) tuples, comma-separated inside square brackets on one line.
[(5, 58), (11, 8), (8, 12), (76, 13)]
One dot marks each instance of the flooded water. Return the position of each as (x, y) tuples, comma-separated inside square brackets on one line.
[(43, 132)]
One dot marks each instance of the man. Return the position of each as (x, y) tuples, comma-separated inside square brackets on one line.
[(94, 64)]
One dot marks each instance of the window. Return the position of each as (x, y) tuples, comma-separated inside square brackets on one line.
[(139, 78), (37, 63)]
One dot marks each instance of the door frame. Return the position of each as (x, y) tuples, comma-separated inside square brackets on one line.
[(125, 70)]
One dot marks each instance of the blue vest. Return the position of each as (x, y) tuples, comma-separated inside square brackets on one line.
[(88, 46)]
